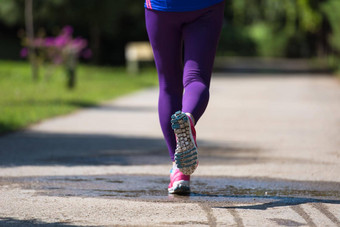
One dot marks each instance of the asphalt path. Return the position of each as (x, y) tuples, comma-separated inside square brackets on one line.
[(269, 150)]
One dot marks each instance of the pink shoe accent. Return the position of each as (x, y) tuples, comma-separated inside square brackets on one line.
[(177, 176), (192, 126)]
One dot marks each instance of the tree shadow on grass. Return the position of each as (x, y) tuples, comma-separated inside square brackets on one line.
[(6, 128), (52, 102)]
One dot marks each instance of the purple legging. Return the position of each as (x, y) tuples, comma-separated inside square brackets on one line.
[(199, 31)]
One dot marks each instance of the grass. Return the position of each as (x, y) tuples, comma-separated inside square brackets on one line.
[(23, 101)]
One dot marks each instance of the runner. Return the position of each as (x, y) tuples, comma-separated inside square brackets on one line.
[(184, 35)]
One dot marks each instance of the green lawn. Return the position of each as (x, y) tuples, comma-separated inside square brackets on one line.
[(23, 102)]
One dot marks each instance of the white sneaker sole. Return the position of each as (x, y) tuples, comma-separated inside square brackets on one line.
[(180, 187), (186, 155)]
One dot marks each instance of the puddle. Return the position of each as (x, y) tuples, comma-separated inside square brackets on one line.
[(213, 189)]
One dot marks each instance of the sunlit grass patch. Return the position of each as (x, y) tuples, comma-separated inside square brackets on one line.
[(23, 101)]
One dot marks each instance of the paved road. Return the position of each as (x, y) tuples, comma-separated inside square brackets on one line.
[(269, 156)]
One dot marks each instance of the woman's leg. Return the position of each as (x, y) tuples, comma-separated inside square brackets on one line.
[(200, 42), (166, 41)]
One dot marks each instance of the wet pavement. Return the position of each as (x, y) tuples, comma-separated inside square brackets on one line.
[(204, 189), (237, 195), (269, 156)]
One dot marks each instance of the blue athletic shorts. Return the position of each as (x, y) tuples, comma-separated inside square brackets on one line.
[(179, 5)]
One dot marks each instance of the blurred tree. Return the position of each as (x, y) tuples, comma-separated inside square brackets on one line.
[(283, 28), (10, 12), (30, 37), (107, 23), (332, 10)]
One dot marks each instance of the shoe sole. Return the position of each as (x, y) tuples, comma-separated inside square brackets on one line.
[(180, 188), (186, 154)]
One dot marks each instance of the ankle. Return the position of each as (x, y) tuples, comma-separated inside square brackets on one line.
[(191, 117)]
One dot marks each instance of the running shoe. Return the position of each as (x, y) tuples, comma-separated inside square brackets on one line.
[(179, 183), (186, 149)]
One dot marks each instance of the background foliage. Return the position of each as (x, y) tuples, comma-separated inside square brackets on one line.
[(280, 28)]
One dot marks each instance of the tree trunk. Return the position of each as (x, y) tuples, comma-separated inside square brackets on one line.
[(71, 65), (30, 36), (71, 78)]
